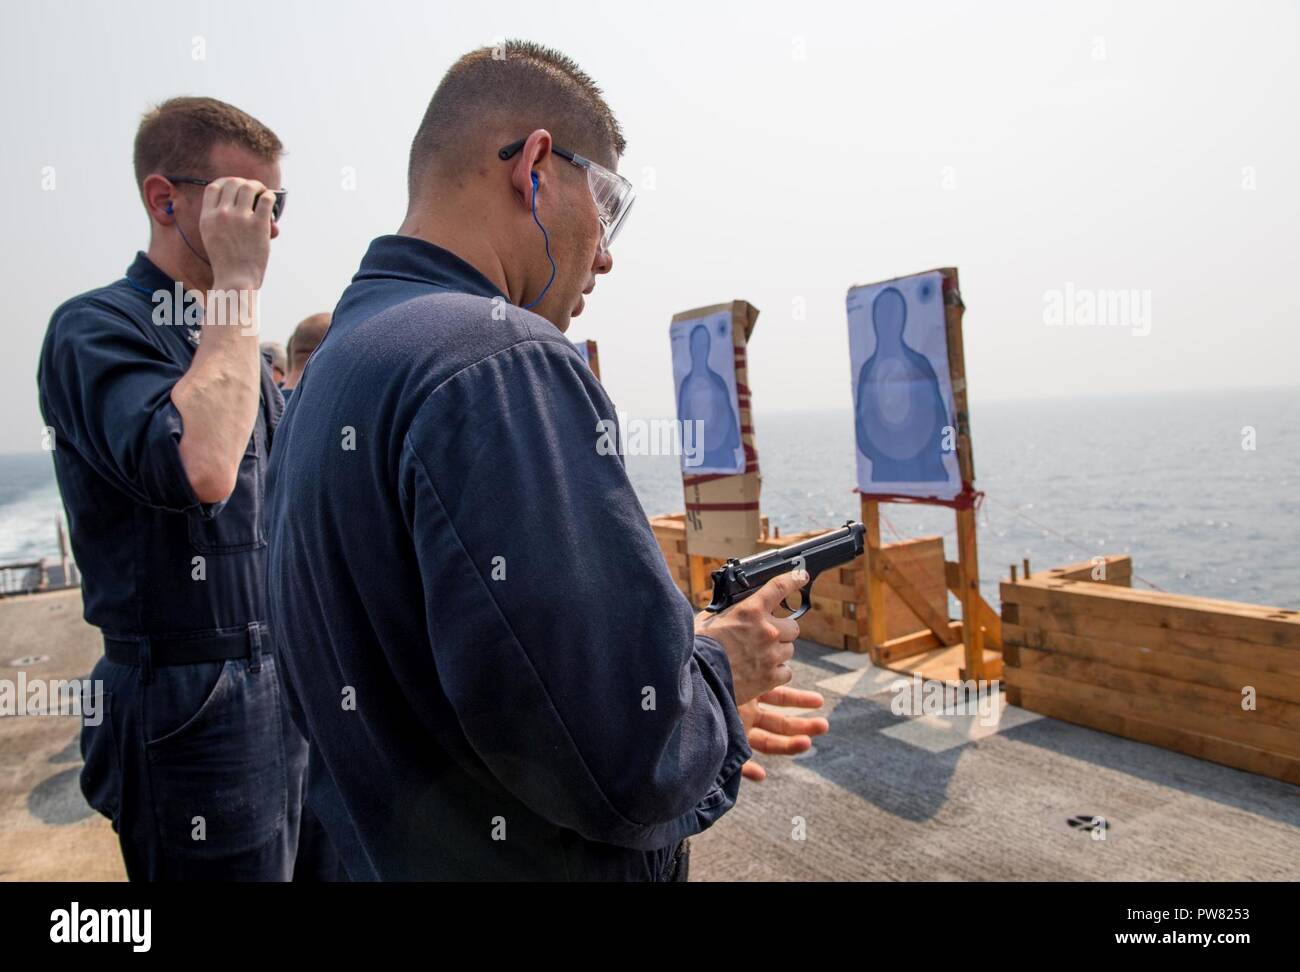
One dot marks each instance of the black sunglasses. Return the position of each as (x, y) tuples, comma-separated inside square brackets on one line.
[(276, 208)]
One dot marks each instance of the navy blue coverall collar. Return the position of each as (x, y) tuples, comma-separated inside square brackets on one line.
[(147, 278), (408, 258)]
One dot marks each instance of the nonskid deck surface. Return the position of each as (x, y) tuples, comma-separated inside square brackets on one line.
[(888, 797), (47, 831), (884, 796)]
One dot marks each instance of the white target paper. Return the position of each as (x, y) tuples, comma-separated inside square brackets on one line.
[(902, 389), (708, 408)]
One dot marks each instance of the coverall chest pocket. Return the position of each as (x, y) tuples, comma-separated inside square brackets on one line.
[(238, 525)]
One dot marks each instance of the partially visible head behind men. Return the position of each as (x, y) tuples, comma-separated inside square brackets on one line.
[(273, 352), (306, 337)]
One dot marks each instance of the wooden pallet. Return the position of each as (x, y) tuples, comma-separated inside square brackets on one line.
[(1165, 669)]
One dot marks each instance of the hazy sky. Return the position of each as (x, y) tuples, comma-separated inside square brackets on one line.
[(781, 154)]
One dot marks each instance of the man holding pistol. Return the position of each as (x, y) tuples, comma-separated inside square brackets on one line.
[(498, 677)]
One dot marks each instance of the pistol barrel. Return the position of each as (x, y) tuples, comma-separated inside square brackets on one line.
[(738, 579)]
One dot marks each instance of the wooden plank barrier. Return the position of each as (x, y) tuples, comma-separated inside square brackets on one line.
[(837, 617), (1215, 679)]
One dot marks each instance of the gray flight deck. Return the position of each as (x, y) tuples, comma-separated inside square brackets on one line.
[(883, 797)]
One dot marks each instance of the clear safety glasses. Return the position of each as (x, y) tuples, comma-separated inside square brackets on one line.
[(613, 194)]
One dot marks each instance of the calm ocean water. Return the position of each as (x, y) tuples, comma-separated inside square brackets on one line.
[(1163, 478)]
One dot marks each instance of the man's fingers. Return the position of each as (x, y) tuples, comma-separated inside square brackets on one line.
[(793, 698), (265, 205), (244, 196), (233, 193), (782, 652), (771, 594), (774, 744), (786, 725), (787, 628), (212, 195), (248, 195), (752, 771), (229, 190)]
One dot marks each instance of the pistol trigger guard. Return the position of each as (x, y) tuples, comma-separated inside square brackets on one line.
[(806, 591)]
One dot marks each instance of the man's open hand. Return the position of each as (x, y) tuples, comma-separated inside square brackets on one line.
[(777, 734)]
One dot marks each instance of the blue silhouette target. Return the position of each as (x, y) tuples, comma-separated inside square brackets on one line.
[(902, 389), (708, 408)]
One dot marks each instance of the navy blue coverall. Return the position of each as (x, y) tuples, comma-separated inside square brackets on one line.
[(195, 761), (497, 674)]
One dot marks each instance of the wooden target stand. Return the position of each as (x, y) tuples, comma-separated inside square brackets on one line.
[(981, 629), (590, 352)]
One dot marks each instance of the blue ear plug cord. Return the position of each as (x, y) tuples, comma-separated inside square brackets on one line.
[(183, 237), (548, 249)]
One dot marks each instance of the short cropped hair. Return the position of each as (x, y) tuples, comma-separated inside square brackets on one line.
[(177, 137), (527, 83), (306, 337)]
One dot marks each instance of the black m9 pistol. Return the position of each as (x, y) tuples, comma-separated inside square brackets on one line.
[(737, 579)]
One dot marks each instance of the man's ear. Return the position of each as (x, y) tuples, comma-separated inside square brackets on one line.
[(534, 159), (158, 195)]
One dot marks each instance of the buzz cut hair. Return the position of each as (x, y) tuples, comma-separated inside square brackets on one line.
[(177, 137), (519, 83)]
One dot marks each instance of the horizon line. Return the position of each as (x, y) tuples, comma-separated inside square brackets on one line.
[(1226, 389)]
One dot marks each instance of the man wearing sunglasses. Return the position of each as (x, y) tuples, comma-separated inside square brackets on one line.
[(161, 413), (497, 675)]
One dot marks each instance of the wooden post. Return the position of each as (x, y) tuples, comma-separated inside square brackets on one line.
[(979, 622), (968, 565), (967, 551), (874, 622)]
